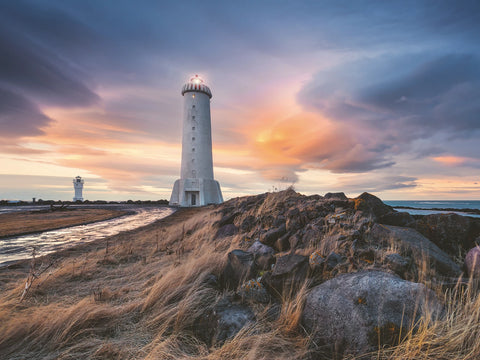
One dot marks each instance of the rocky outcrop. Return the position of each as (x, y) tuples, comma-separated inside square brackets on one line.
[(372, 205), (411, 241), (288, 275), (272, 235), (397, 219), (472, 262), (354, 313), (360, 254), (263, 255), (240, 267), (229, 319), (226, 230), (450, 232)]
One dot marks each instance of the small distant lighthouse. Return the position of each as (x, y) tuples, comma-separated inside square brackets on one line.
[(78, 186), (196, 186)]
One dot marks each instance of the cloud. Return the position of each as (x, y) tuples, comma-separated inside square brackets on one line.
[(19, 116), (385, 117), (40, 72)]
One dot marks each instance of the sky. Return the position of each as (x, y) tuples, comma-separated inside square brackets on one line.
[(326, 96)]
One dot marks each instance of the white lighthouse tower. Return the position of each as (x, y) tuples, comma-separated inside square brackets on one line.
[(78, 186), (196, 186)]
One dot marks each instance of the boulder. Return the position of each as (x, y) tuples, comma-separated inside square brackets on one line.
[(411, 241), (472, 262), (372, 205), (272, 235), (230, 319), (332, 260), (263, 255), (335, 196), (397, 219), (240, 267), (255, 291), (316, 260), (354, 313), (396, 263), (227, 219), (449, 231), (282, 243), (295, 220), (226, 230), (288, 274)]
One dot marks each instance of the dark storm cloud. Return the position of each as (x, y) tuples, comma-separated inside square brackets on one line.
[(19, 116), (387, 108), (39, 72)]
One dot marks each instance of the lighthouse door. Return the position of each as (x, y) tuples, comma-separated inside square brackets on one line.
[(194, 199)]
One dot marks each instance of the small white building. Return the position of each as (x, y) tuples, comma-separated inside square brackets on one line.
[(196, 186), (78, 186)]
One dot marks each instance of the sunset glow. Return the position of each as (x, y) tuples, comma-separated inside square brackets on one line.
[(374, 98)]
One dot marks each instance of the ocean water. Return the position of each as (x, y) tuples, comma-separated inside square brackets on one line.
[(431, 205)]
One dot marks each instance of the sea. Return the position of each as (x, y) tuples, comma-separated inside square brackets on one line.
[(425, 207)]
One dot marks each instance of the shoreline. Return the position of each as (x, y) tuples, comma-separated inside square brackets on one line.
[(76, 250), (120, 213), (465, 210)]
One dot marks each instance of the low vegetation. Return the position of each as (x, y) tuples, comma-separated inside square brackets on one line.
[(140, 295)]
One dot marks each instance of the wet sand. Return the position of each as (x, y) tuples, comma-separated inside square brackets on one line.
[(28, 222)]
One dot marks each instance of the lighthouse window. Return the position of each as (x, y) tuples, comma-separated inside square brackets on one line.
[(193, 117), (193, 96), (193, 106), (193, 139), (193, 149), (193, 127)]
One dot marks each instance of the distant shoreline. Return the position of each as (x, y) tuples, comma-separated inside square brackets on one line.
[(465, 210)]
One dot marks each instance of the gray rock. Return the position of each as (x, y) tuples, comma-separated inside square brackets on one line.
[(396, 263), (240, 267), (282, 243), (353, 313), (259, 248), (472, 262), (272, 235), (336, 196), (226, 230), (227, 219), (397, 219), (254, 290), (332, 260), (263, 255), (372, 205), (410, 240), (450, 232), (287, 275), (230, 319), (316, 260)]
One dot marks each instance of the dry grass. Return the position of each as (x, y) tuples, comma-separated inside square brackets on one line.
[(143, 298), (35, 221)]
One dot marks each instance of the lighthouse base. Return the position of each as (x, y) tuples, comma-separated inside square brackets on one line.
[(196, 192)]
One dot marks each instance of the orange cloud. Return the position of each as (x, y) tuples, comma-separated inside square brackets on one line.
[(451, 160)]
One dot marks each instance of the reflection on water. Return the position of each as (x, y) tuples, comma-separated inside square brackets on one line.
[(17, 248)]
